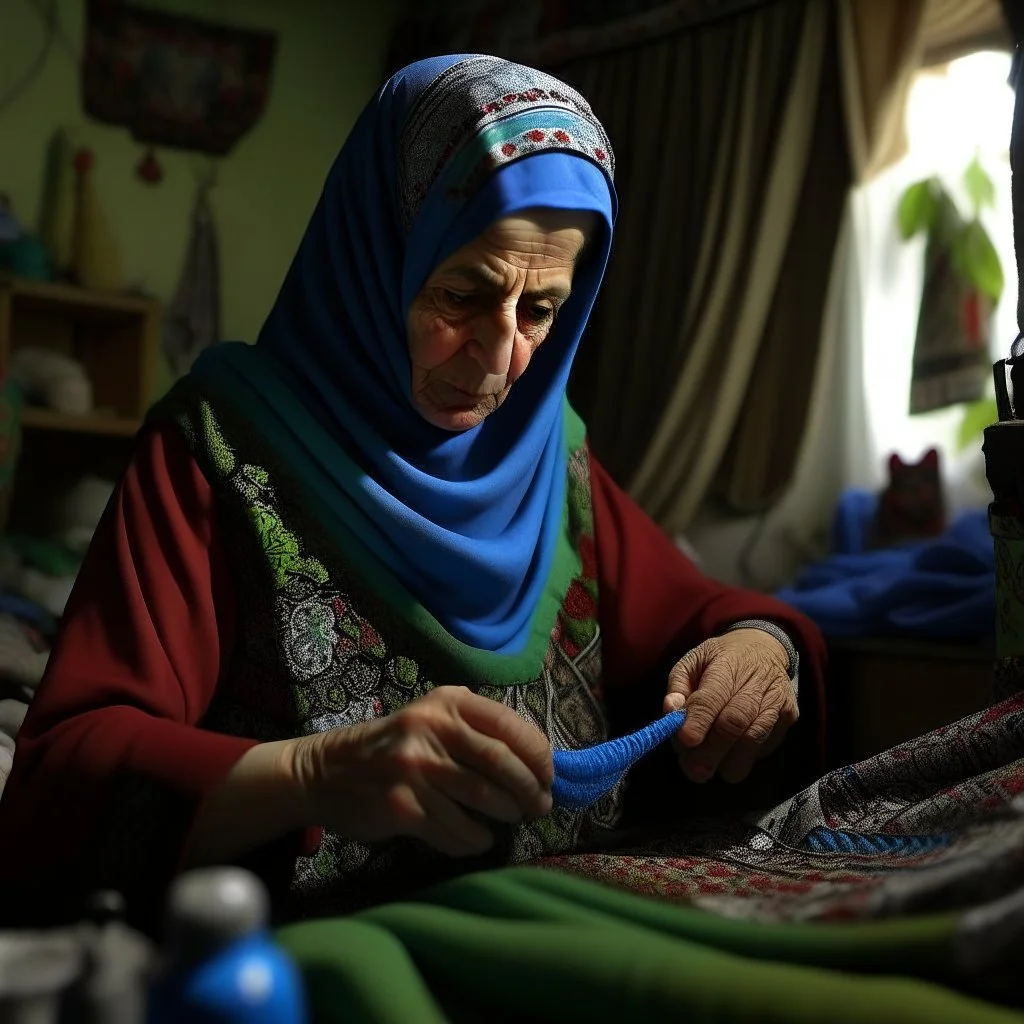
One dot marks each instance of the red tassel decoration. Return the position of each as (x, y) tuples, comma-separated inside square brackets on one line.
[(149, 169)]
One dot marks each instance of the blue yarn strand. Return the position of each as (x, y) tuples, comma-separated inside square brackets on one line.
[(582, 777), (832, 840)]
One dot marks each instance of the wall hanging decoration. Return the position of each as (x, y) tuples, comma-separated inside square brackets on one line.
[(192, 321), (173, 81), (963, 281), (148, 168)]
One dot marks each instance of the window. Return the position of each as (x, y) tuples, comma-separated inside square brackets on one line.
[(953, 113)]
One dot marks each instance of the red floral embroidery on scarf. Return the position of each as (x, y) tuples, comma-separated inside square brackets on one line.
[(566, 642), (588, 556), (536, 135), (508, 149), (600, 154), (579, 604), (561, 136)]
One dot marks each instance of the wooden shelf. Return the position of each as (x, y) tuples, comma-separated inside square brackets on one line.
[(107, 424), (113, 336), (77, 301)]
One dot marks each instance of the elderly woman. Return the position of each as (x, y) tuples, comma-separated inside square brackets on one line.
[(360, 578)]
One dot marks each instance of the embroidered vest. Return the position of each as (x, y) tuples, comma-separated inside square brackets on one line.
[(318, 647)]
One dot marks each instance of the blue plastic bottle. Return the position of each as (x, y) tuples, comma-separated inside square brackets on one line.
[(222, 965)]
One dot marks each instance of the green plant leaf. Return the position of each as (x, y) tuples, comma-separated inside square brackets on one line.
[(981, 263), (978, 184), (916, 209), (977, 416)]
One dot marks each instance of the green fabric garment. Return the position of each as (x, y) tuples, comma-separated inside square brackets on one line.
[(526, 944)]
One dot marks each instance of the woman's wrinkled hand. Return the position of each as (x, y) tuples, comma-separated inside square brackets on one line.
[(739, 704), (416, 772)]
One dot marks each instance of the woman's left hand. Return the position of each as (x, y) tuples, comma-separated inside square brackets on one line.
[(739, 703)]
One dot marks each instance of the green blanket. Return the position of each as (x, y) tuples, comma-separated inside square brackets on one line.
[(531, 944)]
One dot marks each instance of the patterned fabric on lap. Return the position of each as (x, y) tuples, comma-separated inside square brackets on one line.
[(934, 824)]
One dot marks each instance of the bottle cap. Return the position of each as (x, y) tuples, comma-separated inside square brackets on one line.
[(212, 907), (105, 907)]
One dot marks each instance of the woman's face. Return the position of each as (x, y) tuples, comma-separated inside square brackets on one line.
[(485, 310)]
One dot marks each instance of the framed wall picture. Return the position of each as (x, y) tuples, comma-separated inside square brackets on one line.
[(172, 80)]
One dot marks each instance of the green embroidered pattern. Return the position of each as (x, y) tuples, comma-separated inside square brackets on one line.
[(341, 668), (252, 483)]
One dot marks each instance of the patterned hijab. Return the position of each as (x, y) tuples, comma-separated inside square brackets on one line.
[(466, 522)]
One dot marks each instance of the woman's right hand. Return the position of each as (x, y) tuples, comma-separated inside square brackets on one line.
[(414, 772)]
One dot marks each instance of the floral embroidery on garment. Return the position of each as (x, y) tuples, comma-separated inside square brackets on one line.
[(492, 112)]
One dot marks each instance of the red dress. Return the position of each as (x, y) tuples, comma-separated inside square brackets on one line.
[(149, 629)]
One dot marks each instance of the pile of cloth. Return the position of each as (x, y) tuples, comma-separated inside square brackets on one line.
[(942, 588), (26, 632), (36, 578)]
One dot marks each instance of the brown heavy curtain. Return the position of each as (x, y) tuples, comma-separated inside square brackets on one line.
[(737, 144), (547, 33), (732, 174)]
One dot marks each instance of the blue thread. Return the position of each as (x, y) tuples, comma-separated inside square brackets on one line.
[(583, 776), (833, 840)]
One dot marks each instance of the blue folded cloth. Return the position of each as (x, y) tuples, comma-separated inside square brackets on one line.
[(935, 589)]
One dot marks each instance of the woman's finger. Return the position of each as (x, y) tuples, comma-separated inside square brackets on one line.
[(715, 689), (739, 714), (684, 677), (446, 827), (475, 791), (750, 747), (495, 761), (498, 722), (788, 716)]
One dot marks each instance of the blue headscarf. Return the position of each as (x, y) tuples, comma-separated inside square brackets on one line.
[(467, 522)]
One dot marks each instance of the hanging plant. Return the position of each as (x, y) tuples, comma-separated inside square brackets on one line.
[(927, 208)]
